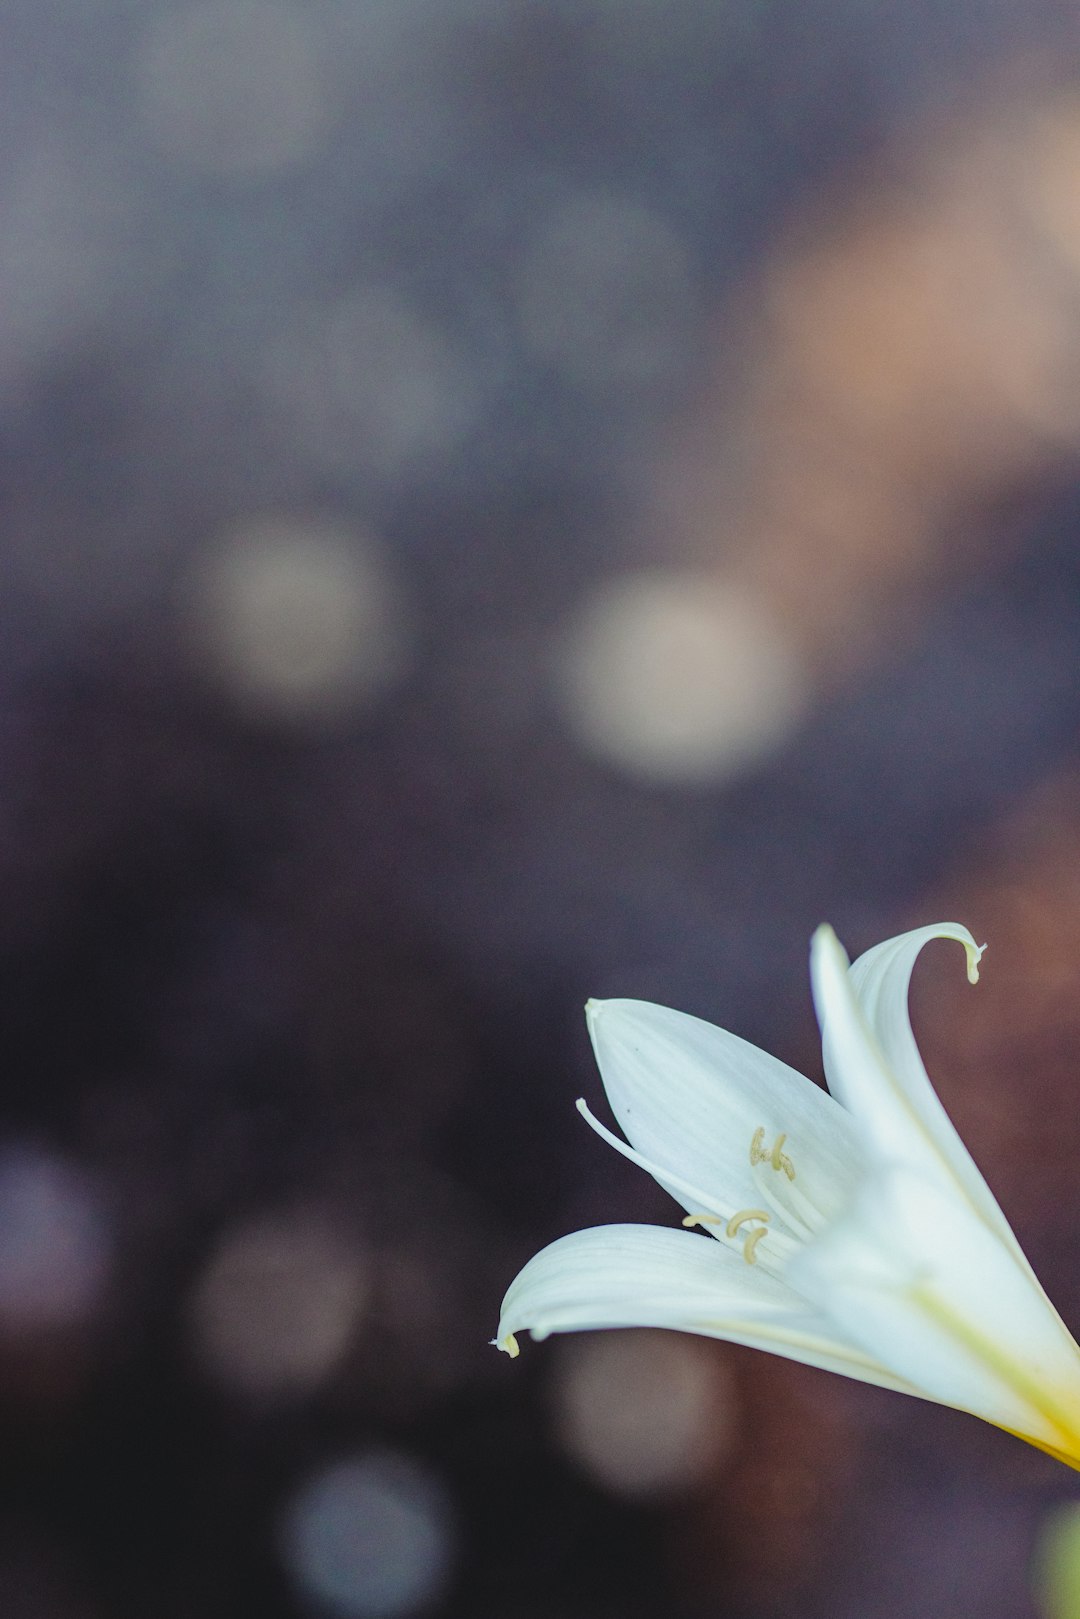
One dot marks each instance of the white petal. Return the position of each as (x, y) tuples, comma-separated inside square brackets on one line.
[(873, 1065), (690, 1097), (916, 1278), (647, 1276)]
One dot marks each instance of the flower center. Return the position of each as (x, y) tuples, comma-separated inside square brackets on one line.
[(776, 1159), (774, 1174)]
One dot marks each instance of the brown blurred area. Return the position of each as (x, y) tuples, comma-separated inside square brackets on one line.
[(499, 505), (906, 360)]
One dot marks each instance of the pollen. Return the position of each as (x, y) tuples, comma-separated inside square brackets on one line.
[(752, 1238), (751, 1244), (740, 1219), (774, 1156), (734, 1226)]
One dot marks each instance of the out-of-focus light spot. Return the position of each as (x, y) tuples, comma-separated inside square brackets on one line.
[(646, 1413), (234, 87), (1056, 1566), (368, 382), (296, 618), (680, 678), (69, 258), (276, 1308), (370, 1537), (55, 1243), (607, 295), (1051, 160)]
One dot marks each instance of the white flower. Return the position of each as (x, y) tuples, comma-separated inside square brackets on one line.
[(852, 1231)]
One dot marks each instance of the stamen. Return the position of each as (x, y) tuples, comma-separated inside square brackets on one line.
[(775, 1157), (741, 1218), (789, 1204), (781, 1246), (780, 1160), (665, 1176), (751, 1243), (752, 1238)]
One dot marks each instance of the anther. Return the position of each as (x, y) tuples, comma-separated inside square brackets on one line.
[(703, 1219), (752, 1238), (774, 1157), (740, 1219), (780, 1160), (751, 1243)]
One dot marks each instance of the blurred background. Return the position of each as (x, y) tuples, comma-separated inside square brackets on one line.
[(503, 501)]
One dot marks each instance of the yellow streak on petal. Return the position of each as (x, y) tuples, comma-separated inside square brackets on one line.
[(1011, 1373)]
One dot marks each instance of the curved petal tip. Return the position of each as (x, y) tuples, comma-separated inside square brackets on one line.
[(975, 953), (825, 946), (508, 1344), (825, 942)]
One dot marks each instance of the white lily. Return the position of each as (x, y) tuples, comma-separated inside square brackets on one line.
[(852, 1230)]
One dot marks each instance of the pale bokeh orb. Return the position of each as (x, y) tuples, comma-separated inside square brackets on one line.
[(278, 1303), (646, 1413), (237, 88), (55, 1242), (296, 618), (606, 294), (70, 258), (370, 1537), (368, 381), (679, 678)]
